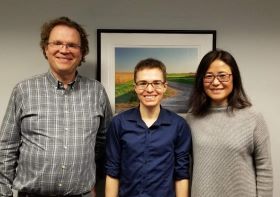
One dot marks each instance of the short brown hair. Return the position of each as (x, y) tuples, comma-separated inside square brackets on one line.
[(48, 27), (150, 63)]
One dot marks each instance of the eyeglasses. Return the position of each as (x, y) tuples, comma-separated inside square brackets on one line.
[(222, 77), (60, 45), (142, 85)]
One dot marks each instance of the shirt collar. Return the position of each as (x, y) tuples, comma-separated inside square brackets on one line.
[(58, 84), (163, 119)]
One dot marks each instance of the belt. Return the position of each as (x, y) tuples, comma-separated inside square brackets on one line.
[(25, 194)]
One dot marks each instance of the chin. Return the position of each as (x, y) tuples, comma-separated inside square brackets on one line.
[(149, 104)]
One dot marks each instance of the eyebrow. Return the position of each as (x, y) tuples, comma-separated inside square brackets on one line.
[(218, 72)]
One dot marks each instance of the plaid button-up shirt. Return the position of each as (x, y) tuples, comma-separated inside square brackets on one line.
[(48, 136)]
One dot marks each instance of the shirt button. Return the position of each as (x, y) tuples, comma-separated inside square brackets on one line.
[(63, 166), (66, 129), (65, 147), (59, 184)]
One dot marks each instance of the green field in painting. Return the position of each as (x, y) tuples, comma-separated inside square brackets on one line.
[(124, 92), (186, 78)]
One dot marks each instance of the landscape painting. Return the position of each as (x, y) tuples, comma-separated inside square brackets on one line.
[(181, 64), (119, 50)]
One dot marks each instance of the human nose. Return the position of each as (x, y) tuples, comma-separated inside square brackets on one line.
[(216, 81), (150, 87), (64, 47)]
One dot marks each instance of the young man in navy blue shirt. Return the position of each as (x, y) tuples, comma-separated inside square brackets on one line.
[(148, 147)]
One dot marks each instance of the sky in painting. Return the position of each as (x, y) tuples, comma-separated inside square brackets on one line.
[(177, 60)]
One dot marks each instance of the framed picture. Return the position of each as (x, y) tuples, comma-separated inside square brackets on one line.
[(119, 50)]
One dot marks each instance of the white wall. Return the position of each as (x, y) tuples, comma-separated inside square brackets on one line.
[(249, 29)]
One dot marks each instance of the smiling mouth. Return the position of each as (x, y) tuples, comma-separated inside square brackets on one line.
[(63, 59), (66, 58), (217, 90), (150, 97)]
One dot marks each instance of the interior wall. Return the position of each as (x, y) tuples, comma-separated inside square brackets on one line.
[(249, 29)]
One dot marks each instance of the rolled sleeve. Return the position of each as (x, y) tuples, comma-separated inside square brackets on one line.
[(113, 150), (182, 152)]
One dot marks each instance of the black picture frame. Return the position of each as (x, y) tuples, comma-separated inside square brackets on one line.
[(112, 42)]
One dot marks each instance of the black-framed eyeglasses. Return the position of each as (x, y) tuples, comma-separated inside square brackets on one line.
[(142, 85), (60, 45), (222, 77)]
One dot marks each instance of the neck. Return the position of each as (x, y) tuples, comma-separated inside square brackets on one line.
[(149, 115), (219, 104)]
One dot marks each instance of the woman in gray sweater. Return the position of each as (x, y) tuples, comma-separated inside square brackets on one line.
[(231, 148)]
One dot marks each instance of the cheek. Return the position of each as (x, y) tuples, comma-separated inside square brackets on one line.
[(49, 53), (137, 92), (230, 88), (205, 87), (79, 55), (164, 90)]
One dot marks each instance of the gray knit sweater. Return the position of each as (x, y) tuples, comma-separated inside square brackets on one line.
[(231, 154)]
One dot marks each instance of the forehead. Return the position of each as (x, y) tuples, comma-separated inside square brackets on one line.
[(149, 74), (64, 33), (219, 66)]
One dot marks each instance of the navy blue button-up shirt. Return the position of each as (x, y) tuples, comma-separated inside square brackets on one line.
[(147, 161)]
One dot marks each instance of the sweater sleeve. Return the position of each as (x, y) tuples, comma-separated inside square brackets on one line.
[(262, 159)]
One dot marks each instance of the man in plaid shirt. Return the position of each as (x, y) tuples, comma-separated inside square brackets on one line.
[(55, 124)]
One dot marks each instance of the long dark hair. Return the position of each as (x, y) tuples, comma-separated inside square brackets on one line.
[(199, 102)]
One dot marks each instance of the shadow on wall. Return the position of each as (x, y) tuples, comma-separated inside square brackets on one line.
[(88, 69)]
